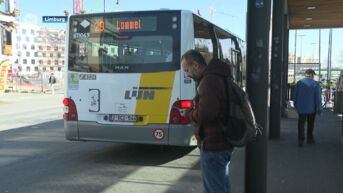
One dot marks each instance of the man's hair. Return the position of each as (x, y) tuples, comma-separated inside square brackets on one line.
[(192, 55)]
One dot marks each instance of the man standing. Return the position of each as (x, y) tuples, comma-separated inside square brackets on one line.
[(52, 82), (207, 118), (308, 102)]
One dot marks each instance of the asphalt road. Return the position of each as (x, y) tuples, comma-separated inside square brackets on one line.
[(36, 158)]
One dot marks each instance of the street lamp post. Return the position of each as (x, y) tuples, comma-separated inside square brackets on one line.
[(314, 44), (328, 79), (301, 46), (295, 53), (313, 48), (328, 75), (319, 49)]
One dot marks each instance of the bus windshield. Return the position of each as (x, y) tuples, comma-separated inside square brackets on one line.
[(130, 49)]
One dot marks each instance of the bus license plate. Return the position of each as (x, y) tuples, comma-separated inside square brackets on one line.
[(124, 118)]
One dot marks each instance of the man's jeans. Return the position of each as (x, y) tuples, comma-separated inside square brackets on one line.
[(215, 171), (310, 125)]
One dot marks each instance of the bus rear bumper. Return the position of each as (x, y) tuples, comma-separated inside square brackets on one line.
[(71, 131), (176, 135)]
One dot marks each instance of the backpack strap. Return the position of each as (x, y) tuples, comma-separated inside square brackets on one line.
[(226, 109)]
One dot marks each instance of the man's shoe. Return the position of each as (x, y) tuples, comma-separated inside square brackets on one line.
[(311, 141), (300, 143)]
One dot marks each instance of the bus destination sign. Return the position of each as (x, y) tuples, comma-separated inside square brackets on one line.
[(127, 24)]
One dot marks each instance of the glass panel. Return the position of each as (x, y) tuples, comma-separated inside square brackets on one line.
[(126, 43)]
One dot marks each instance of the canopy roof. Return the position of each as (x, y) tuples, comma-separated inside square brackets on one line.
[(305, 14)]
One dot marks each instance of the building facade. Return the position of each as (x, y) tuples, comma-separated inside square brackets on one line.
[(302, 63), (37, 50), (7, 17)]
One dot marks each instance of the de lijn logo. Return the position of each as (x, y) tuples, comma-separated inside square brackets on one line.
[(142, 93), (55, 19)]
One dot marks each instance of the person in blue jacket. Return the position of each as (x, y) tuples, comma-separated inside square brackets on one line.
[(308, 102)]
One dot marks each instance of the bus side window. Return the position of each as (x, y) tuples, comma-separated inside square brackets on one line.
[(225, 44), (202, 40)]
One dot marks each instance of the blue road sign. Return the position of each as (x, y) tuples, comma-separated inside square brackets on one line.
[(55, 19)]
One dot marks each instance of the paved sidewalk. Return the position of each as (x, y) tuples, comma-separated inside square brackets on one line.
[(24, 109), (314, 168), (12, 97)]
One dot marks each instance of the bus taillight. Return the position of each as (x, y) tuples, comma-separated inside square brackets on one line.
[(186, 104), (66, 101), (70, 111), (175, 115)]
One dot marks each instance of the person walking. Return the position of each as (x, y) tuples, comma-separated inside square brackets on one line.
[(308, 102), (52, 82), (207, 119)]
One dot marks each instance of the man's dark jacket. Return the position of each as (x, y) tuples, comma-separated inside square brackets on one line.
[(210, 104)]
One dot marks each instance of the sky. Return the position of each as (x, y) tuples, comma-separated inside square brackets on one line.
[(228, 14), (308, 45)]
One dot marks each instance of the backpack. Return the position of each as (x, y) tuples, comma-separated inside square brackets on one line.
[(240, 127)]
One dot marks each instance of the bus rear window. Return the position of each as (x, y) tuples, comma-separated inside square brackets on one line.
[(125, 44), (137, 54)]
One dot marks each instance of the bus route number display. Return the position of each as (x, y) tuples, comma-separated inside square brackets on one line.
[(99, 26)]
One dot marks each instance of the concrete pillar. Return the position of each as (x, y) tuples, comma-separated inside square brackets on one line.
[(276, 69), (285, 66), (258, 26)]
